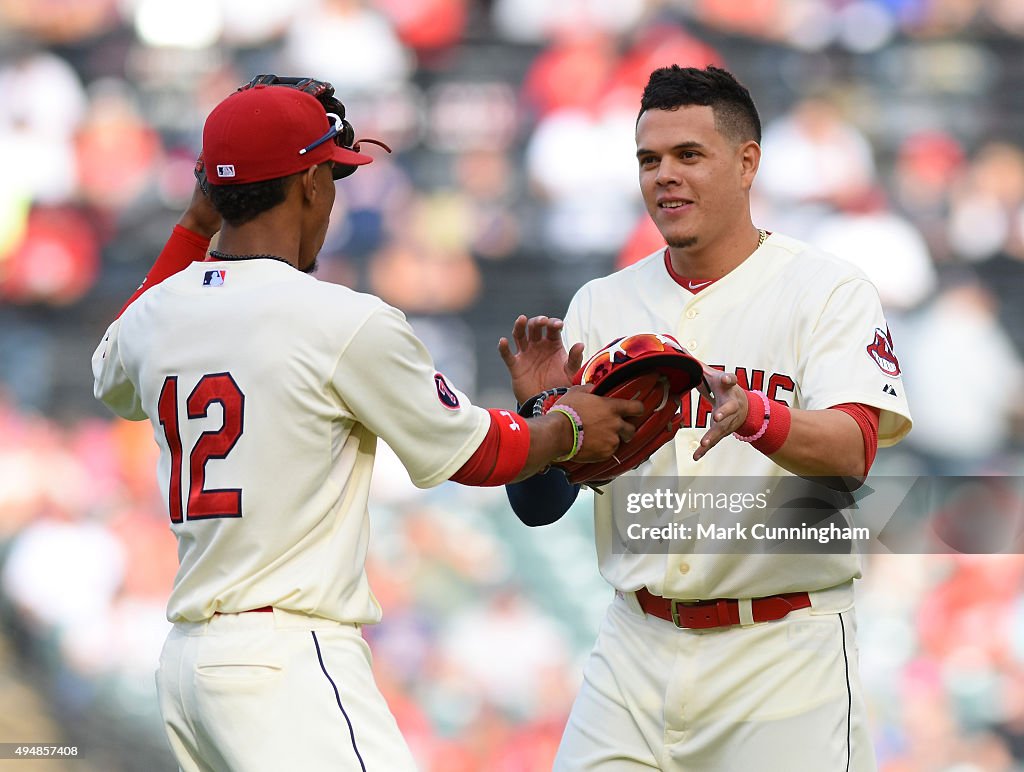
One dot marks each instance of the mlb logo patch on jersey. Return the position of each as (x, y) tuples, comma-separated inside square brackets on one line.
[(445, 393), (215, 278)]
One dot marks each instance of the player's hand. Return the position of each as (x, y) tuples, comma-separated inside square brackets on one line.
[(730, 408), (604, 422), (540, 361), (201, 217)]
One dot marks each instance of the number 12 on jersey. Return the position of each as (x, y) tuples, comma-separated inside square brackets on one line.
[(202, 503)]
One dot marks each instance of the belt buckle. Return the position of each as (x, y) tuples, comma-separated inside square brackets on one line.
[(674, 604)]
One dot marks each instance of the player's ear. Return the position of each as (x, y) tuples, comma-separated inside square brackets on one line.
[(749, 159), (310, 182)]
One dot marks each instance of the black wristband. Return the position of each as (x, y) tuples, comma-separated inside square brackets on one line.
[(529, 409)]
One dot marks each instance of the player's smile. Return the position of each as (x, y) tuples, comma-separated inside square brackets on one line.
[(676, 217), (670, 206)]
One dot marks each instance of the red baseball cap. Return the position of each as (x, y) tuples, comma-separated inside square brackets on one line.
[(266, 132)]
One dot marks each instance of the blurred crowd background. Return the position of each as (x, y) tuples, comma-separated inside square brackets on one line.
[(894, 137)]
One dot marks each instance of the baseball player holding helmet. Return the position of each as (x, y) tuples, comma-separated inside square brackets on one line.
[(705, 660), (267, 391)]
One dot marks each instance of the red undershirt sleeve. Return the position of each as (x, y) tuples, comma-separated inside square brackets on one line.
[(867, 418), (182, 248)]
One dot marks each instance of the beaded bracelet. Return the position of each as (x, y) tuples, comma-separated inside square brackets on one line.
[(764, 425), (577, 431)]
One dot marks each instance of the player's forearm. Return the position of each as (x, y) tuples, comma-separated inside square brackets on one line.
[(822, 443), (516, 448), (201, 226), (551, 437)]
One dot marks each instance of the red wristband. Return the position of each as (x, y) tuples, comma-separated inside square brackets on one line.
[(766, 430), (756, 423), (502, 453), (778, 429)]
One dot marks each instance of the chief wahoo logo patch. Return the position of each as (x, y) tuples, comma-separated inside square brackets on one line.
[(882, 352)]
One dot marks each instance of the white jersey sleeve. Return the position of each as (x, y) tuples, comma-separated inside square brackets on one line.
[(386, 378), (110, 380), (848, 356)]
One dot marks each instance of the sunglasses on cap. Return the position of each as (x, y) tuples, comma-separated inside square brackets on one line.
[(343, 135)]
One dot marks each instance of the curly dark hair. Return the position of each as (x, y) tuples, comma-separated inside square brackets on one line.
[(238, 204), (670, 88)]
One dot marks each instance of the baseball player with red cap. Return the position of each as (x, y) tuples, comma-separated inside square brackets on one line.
[(721, 660), (267, 391)]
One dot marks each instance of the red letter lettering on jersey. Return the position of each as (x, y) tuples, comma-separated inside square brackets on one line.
[(754, 383), (779, 383)]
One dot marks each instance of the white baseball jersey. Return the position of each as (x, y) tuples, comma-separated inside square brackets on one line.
[(804, 327), (267, 391)]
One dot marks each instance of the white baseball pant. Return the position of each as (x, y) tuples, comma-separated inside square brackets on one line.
[(780, 696), (272, 691)]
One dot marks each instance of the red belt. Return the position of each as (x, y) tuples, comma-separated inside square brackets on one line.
[(703, 614)]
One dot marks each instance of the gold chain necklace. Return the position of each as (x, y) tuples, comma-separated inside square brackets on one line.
[(761, 236)]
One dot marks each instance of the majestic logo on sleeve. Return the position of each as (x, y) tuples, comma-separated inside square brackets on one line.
[(882, 352), (214, 278), (445, 393)]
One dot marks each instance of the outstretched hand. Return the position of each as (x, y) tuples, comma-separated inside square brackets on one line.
[(540, 361), (730, 408)]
